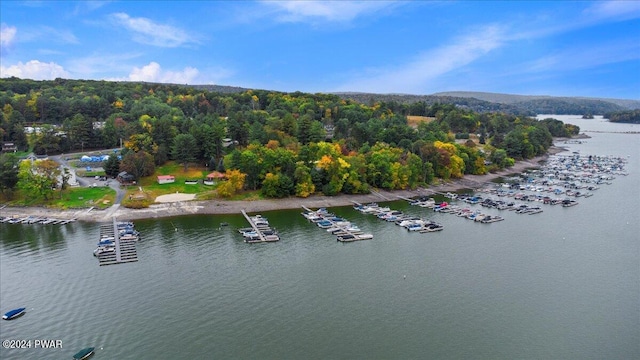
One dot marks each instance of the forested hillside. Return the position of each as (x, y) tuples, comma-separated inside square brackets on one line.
[(631, 116), (279, 143), (551, 104)]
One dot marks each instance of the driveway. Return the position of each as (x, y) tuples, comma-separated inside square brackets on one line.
[(112, 183)]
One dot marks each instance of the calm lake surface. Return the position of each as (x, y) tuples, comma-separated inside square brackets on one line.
[(562, 284)]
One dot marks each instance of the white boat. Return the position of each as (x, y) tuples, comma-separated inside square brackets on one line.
[(104, 250)]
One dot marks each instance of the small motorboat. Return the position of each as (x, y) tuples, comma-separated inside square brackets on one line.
[(84, 353), (104, 250), (106, 242), (9, 315)]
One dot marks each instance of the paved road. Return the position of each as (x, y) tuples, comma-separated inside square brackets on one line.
[(82, 181)]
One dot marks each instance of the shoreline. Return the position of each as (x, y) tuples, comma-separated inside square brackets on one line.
[(223, 207)]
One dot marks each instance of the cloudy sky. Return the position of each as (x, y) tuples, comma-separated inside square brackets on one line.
[(560, 48)]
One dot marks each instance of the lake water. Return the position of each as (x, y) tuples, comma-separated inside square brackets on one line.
[(562, 284)]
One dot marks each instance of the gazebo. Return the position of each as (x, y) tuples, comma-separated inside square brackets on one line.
[(213, 177)]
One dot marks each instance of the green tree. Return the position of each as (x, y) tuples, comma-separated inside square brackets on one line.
[(185, 149), (304, 183), (79, 131), (64, 180), (39, 177), (8, 173), (138, 164), (47, 142), (112, 166)]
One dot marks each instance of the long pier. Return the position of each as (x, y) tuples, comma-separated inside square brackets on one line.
[(125, 249), (263, 233)]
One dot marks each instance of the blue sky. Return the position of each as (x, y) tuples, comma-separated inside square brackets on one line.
[(559, 48)]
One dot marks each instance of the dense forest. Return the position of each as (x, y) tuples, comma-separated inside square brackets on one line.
[(279, 143), (510, 104), (629, 116)]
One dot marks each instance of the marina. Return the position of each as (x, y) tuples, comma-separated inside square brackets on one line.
[(561, 180), (411, 223), (344, 230)]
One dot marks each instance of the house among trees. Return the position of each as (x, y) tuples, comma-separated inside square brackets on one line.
[(166, 179), (226, 142), (213, 177), (33, 157), (125, 178), (9, 147)]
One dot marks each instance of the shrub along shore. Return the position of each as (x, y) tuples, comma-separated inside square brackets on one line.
[(179, 208)]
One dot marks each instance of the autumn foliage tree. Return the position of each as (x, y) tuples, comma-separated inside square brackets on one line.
[(233, 184), (138, 164)]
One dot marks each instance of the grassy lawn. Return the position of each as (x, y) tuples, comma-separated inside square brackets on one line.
[(104, 197), (72, 198), (414, 120), (152, 189)]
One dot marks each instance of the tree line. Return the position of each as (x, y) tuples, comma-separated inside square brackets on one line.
[(279, 143), (627, 116)]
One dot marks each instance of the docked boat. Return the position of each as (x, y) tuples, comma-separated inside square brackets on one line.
[(104, 250), (431, 227), (12, 314), (354, 237), (106, 242), (84, 353), (569, 203)]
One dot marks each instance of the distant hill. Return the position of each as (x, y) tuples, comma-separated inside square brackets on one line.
[(470, 103), (543, 104), (220, 88), (483, 102)]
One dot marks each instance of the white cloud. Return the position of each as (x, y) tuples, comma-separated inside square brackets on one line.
[(145, 31), (47, 34), (101, 63), (336, 11), (601, 12), (415, 76), (616, 10), (599, 54), (154, 73), (35, 70), (7, 35)]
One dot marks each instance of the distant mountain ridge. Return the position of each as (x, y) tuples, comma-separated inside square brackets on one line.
[(483, 101), (515, 99)]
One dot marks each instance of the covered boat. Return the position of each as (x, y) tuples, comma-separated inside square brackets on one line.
[(84, 353), (13, 313)]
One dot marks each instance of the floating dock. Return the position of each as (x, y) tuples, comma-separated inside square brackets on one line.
[(342, 229), (260, 230), (125, 249), (34, 220)]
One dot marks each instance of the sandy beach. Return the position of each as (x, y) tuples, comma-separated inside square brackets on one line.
[(181, 204)]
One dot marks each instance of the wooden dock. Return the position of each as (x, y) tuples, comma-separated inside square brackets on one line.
[(125, 249), (263, 233)]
